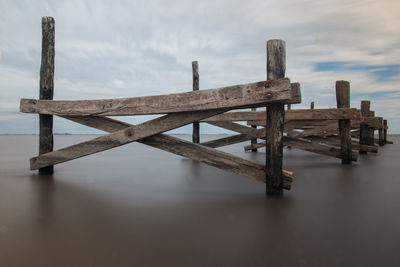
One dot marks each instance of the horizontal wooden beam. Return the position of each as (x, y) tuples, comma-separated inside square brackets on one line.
[(121, 137), (291, 115), (316, 147), (226, 141), (232, 97), (256, 133), (190, 150), (335, 140)]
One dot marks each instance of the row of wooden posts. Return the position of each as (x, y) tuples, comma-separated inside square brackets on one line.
[(279, 127), (332, 132)]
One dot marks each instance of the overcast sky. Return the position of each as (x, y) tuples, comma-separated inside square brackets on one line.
[(109, 49)]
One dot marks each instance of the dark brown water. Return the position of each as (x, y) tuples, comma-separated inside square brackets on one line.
[(139, 206)]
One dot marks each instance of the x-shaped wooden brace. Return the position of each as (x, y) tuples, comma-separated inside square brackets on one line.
[(186, 108)]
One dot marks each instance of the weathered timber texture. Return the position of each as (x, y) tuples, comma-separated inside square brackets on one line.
[(275, 117), (256, 133), (46, 140), (125, 136), (291, 115), (335, 140), (381, 141), (364, 129), (193, 151), (226, 141), (254, 140), (343, 101), (238, 96), (196, 86), (385, 127), (316, 147)]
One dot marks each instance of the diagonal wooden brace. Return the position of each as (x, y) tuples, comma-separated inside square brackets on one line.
[(121, 137), (210, 156)]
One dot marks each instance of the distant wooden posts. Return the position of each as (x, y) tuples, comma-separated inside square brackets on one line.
[(47, 89), (312, 105), (196, 82), (276, 67), (343, 101)]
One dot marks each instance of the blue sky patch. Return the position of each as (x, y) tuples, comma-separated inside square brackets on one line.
[(381, 72)]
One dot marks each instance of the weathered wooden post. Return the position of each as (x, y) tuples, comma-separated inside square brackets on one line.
[(343, 101), (276, 67), (196, 124), (380, 135), (371, 130), (47, 89), (312, 105), (385, 131), (254, 140), (364, 129)]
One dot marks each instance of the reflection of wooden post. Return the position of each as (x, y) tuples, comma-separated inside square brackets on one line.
[(343, 101), (254, 140), (385, 131), (276, 66), (312, 105), (364, 131), (196, 124), (47, 89)]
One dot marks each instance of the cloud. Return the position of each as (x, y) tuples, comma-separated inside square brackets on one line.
[(122, 48)]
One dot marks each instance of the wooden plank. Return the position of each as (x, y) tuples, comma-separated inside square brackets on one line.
[(226, 141), (256, 133), (253, 146), (343, 101), (231, 97), (291, 115), (46, 83), (275, 117), (303, 124), (193, 151), (125, 136), (335, 141), (317, 131), (371, 122), (316, 147), (196, 86)]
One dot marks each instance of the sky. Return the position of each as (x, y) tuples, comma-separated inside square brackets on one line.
[(112, 49)]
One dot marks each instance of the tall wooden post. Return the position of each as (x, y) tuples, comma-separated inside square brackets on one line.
[(371, 130), (364, 131), (312, 105), (47, 89), (196, 124), (276, 67), (385, 131), (343, 101), (254, 140), (380, 136)]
